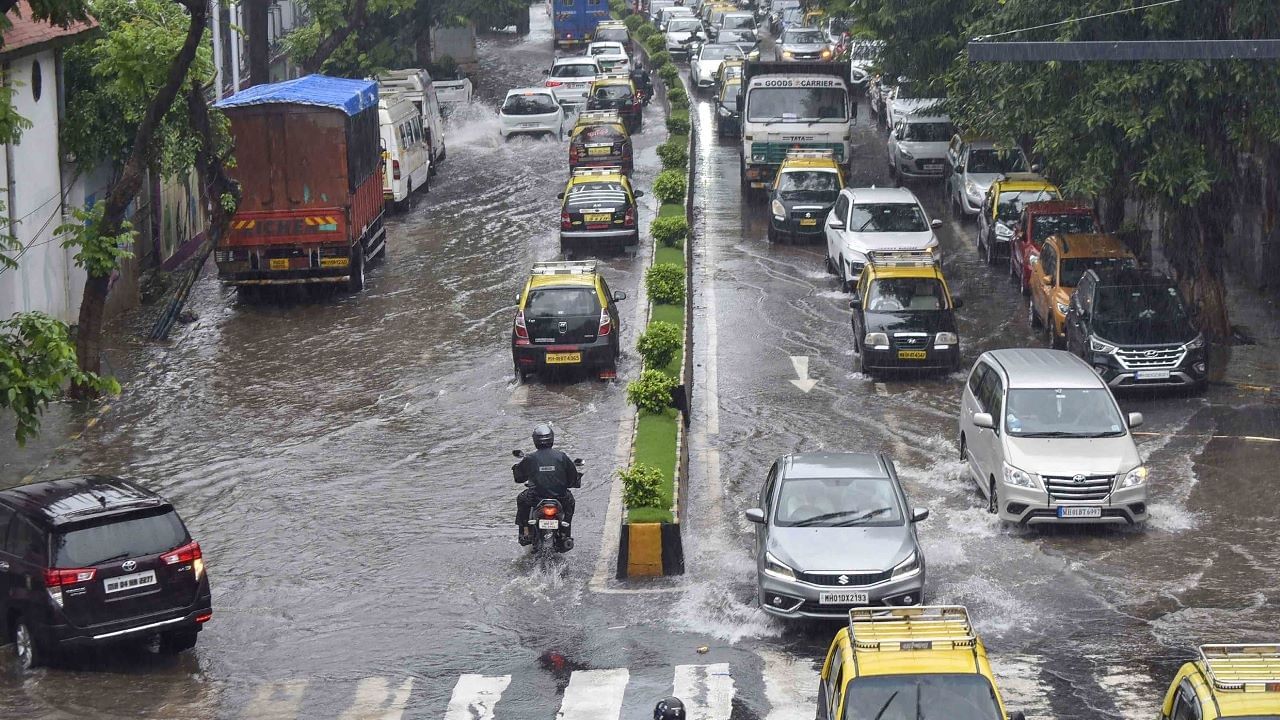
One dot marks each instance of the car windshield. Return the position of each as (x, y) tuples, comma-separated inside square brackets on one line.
[(1141, 315), (729, 92), (719, 52), (683, 25), (1010, 204), (928, 131), (924, 696), (837, 502), (888, 217), (1072, 269), (804, 36), (1042, 226), (529, 105), (738, 22), (809, 186), (865, 50), (989, 161), (616, 34), (1070, 412), (827, 104), (575, 70), (612, 92), (561, 302), (89, 545), (897, 294), (606, 49)]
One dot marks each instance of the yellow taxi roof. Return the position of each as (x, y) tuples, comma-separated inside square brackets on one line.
[(1025, 185), (1244, 679), (809, 163), (578, 273), (1100, 245), (538, 281), (893, 271), (611, 81), (916, 640)]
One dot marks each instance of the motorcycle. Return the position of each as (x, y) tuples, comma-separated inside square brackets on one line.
[(643, 82), (546, 519)]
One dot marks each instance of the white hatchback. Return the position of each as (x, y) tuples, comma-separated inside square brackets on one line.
[(866, 219), (531, 111), (611, 55)]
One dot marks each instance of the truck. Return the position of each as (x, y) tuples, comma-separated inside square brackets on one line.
[(788, 106), (573, 22), (309, 163)]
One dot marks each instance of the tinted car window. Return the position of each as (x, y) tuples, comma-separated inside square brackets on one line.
[(612, 92), (87, 545), (615, 34), (1045, 225), (809, 185), (888, 217), (6, 517), (837, 502), (1011, 201), (802, 37), (899, 697), (895, 294), (561, 302), (683, 25), (529, 105), (987, 161), (574, 70), (1071, 412), (26, 541), (1142, 314), (1074, 268), (928, 132)]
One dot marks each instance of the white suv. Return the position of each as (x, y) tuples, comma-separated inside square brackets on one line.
[(1043, 437), (570, 78), (866, 219)]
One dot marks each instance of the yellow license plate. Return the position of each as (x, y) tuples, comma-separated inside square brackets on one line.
[(279, 263), (563, 358), (599, 150), (808, 221), (597, 217), (911, 355), (333, 262)]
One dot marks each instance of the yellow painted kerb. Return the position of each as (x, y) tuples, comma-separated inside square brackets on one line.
[(644, 550)]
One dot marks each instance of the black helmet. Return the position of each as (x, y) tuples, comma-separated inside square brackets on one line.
[(669, 709), (543, 436)]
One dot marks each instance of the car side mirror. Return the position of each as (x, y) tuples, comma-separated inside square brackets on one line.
[(935, 223), (517, 453), (619, 296), (956, 303), (984, 420), (1035, 168), (755, 515), (639, 193), (1135, 420), (546, 71), (577, 462), (855, 304), (559, 196), (919, 514), (835, 224)]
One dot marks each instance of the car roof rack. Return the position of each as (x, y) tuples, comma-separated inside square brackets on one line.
[(902, 258), (613, 76), (565, 267), (924, 627), (597, 170), (1243, 668), (598, 116)]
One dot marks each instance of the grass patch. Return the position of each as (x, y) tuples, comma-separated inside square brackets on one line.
[(675, 256), (656, 446), (671, 210)]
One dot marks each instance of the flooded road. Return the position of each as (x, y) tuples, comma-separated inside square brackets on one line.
[(344, 462)]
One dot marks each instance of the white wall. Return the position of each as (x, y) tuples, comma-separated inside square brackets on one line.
[(46, 278)]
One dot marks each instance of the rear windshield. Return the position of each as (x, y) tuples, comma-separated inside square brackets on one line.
[(738, 22), (615, 34), (613, 92), (562, 302), (1044, 226), (575, 70), (606, 50), (86, 546), (529, 105), (720, 52)]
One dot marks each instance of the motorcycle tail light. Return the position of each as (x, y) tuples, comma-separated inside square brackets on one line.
[(521, 330), (606, 325), (548, 511)]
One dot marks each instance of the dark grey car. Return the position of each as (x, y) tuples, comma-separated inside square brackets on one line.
[(835, 531)]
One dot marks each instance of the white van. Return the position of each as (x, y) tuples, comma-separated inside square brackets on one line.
[(415, 85), (408, 160)]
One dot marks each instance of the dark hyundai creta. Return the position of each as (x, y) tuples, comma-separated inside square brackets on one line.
[(1132, 327), (87, 561)]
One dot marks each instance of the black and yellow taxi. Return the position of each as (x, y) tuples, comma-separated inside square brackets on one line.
[(728, 119), (904, 314), (599, 139), (566, 317), (729, 69), (616, 91), (1002, 207), (801, 195), (598, 211), (908, 663), (1227, 681)]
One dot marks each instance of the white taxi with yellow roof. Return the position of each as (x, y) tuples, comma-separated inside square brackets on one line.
[(907, 663), (1227, 681)]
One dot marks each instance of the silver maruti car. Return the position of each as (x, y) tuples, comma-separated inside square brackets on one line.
[(835, 531)]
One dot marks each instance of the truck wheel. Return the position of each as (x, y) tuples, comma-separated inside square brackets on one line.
[(356, 282)]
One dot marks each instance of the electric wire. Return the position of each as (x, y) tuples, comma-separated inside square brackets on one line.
[(1121, 11)]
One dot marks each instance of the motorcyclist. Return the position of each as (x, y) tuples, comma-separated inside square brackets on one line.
[(550, 474), (643, 82), (669, 709)]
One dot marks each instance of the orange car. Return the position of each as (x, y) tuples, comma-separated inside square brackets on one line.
[(1058, 268)]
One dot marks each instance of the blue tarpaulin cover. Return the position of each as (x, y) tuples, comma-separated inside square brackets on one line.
[(345, 94)]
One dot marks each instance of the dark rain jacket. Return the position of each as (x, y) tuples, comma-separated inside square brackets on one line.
[(550, 472)]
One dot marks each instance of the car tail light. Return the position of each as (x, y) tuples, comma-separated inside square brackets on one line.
[(56, 578), (549, 511), (606, 325), (553, 83), (521, 330), (204, 617), (573, 154), (565, 222), (395, 169), (189, 553), (629, 220)]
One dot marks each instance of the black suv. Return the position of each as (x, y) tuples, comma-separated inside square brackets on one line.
[(92, 560), (1132, 327)]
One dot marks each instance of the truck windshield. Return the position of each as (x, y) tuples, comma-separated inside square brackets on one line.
[(1070, 412), (829, 104), (921, 697)]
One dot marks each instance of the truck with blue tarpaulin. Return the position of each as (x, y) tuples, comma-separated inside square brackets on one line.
[(574, 22)]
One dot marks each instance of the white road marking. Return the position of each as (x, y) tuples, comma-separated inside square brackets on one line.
[(707, 690), (276, 701), (711, 396), (474, 697), (800, 363), (377, 700), (594, 695), (519, 396), (1022, 684), (790, 686)]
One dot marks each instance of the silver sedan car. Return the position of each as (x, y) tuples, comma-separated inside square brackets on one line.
[(835, 531)]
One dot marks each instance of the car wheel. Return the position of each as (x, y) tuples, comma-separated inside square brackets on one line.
[(1050, 337), (172, 643), (27, 650), (993, 499), (771, 234), (964, 445), (991, 250), (1023, 284), (1032, 318), (845, 284), (355, 282)]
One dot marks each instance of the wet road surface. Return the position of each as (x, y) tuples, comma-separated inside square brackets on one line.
[(344, 462)]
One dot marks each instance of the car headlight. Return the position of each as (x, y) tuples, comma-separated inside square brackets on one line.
[(879, 341), (972, 190), (910, 566), (1195, 344), (1003, 231), (778, 210), (1134, 477), (826, 54), (906, 155), (1019, 478), (775, 567), (1062, 308), (757, 157), (786, 54), (945, 339), (1101, 346)]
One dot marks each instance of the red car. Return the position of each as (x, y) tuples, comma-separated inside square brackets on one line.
[(1038, 222)]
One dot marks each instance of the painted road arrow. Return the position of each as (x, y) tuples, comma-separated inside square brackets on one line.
[(801, 365)]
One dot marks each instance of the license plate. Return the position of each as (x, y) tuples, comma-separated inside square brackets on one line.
[(843, 598), (599, 150), (911, 354), (932, 166), (528, 124), (1152, 374), (279, 263), (333, 262), (597, 217), (808, 221), (1079, 512), (563, 358), (548, 524), (129, 582)]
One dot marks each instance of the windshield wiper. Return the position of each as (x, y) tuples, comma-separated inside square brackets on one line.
[(824, 516), (884, 707), (866, 225), (1057, 434), (864, 517)]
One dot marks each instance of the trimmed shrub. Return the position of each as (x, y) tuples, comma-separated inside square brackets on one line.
[(670, 74), (679, 103), (660, 60), (641, 486), (665, 283), (659, 344), (670, 231), (678, 122), (651, 392), (669, 186), (645, 32), (656, 43), (633, 22), (674, 154)]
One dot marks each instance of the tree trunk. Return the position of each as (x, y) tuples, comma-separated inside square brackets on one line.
[(125, 188), (1196, 257), (210, 166), (256, 27)]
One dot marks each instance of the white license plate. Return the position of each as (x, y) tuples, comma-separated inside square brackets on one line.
[(932, 165), (1079, 512), (129, 582), (1152, 374), (548, 524), (843, 598), (529, 125)]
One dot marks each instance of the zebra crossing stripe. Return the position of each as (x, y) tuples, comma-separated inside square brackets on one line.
[(475, 695), (594, 695), (376, 700), (791, 687), (706, 690), (277, 701)]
